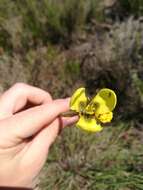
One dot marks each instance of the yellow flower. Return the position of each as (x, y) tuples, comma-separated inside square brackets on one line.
[(93, 112)]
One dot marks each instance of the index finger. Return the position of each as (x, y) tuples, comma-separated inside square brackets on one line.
[(17, 97), (27, 123)]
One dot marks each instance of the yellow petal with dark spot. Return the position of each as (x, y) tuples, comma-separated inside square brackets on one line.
[(88, 124), (94, 105), (78, 100), (106, 117), (109, 97)]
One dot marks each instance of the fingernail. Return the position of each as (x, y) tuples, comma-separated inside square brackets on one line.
[(68, 99)]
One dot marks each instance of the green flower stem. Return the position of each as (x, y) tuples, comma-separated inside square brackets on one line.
[(69, 114)]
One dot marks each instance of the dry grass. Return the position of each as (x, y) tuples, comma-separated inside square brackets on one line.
[(108, 160)]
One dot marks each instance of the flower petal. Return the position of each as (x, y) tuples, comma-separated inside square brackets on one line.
[(88, 124), (78, 100), (106, 117), (109, 97), (102, 105), (95, 105)]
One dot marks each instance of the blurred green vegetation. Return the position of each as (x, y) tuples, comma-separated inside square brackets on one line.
[(132, 7), (56, 21), (109, 160), (44, 21), (60, 45)]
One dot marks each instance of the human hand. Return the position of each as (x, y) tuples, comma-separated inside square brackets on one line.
[(27, 132)]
